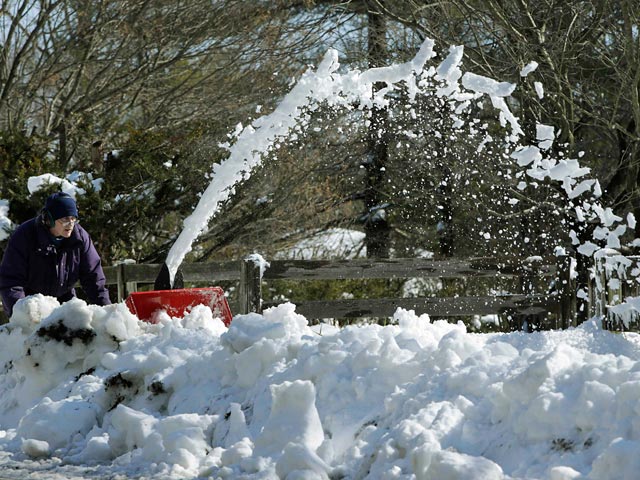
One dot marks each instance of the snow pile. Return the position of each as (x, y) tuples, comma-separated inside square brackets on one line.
[(88, 387)]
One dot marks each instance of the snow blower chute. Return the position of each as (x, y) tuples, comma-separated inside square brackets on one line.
[(176, 300)]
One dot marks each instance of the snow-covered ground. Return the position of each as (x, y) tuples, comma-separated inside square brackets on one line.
[(91, 391)]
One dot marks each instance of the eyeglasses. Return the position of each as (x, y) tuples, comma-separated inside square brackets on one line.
[(68, 221)]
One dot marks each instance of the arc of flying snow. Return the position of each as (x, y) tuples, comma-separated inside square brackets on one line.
[(258, 138), (245, 155)]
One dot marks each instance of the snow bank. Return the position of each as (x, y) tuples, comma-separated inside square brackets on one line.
[(273, 398)]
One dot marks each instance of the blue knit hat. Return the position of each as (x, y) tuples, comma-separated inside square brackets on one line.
[(61, 205)]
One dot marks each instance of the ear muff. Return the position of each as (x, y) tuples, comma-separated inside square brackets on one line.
[(47, 218)]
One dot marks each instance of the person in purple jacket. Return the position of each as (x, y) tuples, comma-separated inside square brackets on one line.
[(49, 254)]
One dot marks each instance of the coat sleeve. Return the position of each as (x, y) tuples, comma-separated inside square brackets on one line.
[(92, 276), (13, 270)]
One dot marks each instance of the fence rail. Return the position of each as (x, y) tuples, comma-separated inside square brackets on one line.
[(250, 281)]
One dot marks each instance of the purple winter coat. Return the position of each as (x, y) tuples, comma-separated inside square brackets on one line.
[(33, 264)]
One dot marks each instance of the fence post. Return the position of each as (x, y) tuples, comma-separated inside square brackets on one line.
[(120, 281), (528, 270), (250, 290), (566, 290), (129, 286), (124, 287), (601, 289), (613, 275)]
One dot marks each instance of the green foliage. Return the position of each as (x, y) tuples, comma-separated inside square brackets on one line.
[(149, 188), (21, 157)]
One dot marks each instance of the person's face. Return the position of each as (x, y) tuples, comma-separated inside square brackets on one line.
[(63, 227)]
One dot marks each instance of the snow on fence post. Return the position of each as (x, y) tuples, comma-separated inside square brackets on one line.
[(601, 293), (250, 289)]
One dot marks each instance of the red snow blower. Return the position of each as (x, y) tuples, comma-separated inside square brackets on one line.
[(176, 300)]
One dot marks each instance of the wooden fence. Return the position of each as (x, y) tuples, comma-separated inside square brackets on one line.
[(528, 302)]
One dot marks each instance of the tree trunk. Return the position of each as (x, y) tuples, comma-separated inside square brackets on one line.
[(444, 195), (376, 225), (62, 144)]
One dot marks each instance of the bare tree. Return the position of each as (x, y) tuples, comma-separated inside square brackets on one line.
[(78, 69)]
